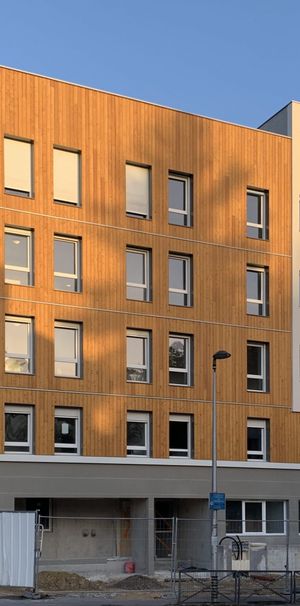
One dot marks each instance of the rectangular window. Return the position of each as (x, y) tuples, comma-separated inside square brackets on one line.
[(180, 359), (138, 356), (180, 199), (257, 366), (257, 439), (257, 290), (180, 436), (180, 280), (255, 517), (67, 349), (66, 176), (18, 428), (18, 256), (67, 430), (138, 268), (138, 191), (66, 263), (257, 214), (138, 434), (18, 167), (18, 345)]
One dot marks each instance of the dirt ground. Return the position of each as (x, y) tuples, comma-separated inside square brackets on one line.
[(65, 581)]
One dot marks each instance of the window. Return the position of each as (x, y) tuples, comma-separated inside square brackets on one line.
[(180, 202), (257, 214), (66, 264), (18, 256), (255, 517), (138, 191), (18, 345), (138, 356), (180, 355), (66, 175), (179, 280), (257, 437), (138, 274), (257, 366), (138, 434), (257, 290), (67, 349), (18, 167), (180, 436), (67, 430), (18, 428)]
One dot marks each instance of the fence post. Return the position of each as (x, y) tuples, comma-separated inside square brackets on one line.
[(174, 552), (179, 589)]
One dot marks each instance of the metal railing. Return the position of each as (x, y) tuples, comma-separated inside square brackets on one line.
[(238, 588)]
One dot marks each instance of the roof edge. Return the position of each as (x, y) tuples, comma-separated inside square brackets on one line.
[(151, 103)]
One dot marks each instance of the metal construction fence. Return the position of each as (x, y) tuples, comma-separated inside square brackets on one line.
[(238, 588), (114, 548)]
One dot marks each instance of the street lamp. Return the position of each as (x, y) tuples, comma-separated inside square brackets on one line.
[(219, 355)]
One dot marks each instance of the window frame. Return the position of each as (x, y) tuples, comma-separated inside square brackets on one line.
[(261, 454), (29, 194), (78, 153), (188, 339), (263, 520), (77, 256), (28, 270), (74, 413), (263, 302), (265, 370), (139, 417), (19, 409), (130, 213), (146, 286), (77, 327), (187, 419), (187, 212), (186, 292), (263, 224), (30, 343), (146, 335)]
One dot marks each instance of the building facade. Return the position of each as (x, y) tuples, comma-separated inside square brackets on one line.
[(138, 241)]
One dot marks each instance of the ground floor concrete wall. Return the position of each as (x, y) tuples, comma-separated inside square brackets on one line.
[(107, 512)]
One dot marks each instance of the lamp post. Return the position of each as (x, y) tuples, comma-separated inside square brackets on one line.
[(219, 355)]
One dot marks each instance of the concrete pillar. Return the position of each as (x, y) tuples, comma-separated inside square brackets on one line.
[(151, 535), (142, 535)]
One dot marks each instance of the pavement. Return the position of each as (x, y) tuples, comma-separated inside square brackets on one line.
[(85, 599)]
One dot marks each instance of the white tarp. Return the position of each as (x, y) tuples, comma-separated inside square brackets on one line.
[(17, 549)]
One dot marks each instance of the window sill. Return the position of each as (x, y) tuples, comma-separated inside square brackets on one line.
[(181, 306), (71, 292), (258, 315), (66, 377), (27, 196), (140, 300), (68, 203), (21, 374)]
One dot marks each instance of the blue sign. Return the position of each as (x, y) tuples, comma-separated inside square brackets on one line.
[(216, 500)]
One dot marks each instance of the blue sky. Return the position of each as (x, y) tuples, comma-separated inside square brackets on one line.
[(235, 60)]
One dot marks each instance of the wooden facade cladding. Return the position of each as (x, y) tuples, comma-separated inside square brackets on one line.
[(223, 160)]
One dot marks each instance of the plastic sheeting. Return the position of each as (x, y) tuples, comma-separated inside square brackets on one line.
[(17, 549)]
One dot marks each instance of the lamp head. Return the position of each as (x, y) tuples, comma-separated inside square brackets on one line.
[(221, 355)]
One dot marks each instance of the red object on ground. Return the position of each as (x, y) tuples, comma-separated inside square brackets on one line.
[(129, 567)]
